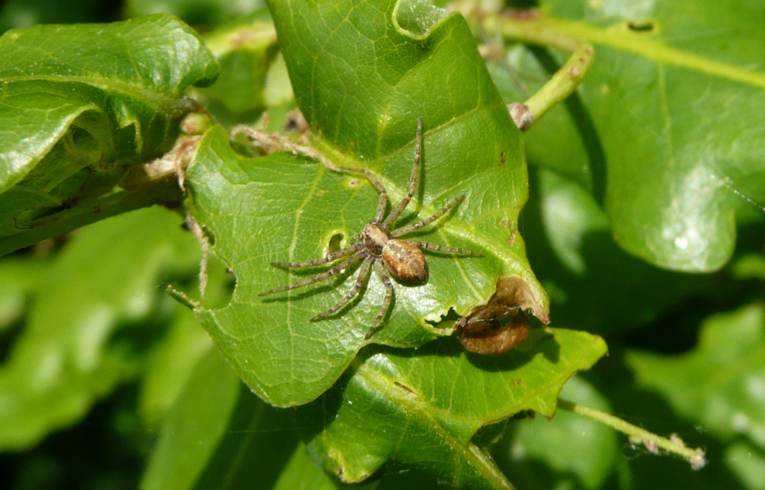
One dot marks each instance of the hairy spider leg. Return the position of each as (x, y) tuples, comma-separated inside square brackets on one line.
[(308, 264), (361, 281), (382, 200), (318, 277), (414, 180), (430, 219), (385, 307), (445, 249)]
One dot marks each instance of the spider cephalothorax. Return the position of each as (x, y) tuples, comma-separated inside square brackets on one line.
[(380, 245)]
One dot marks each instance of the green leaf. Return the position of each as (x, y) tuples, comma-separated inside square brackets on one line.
[(184, 343), (435, 400), (194, 426), (748, 463), (67, 356), (24, 13), (374, 75), (666, 127), (472, 149), (169, 365), (245, 52), (751, 266), (567, 451), (200, 12), (18, 278), (75, 111), (721, 384), (284, 357), (218, 435), (422, 409)]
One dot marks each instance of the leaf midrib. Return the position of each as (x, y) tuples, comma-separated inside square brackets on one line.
[(656, 51), (154, 98)]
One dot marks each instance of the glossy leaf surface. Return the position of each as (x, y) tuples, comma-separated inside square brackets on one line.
[(666, 128), (79, 103)]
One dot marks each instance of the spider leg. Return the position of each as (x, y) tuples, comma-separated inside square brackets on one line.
[(413, 180), (307, 264), (430, 219), (341, 267), (389, 291), (361, 280), (382, 201), (445, 249), (272, 143)]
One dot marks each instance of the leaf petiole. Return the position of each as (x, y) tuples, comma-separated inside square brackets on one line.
[(564, 81), (92, 210), (650, 441)]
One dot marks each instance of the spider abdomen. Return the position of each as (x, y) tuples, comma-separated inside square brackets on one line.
[(405, 261)]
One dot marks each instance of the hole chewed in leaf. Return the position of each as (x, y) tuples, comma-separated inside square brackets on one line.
[(335, 242), (502, 323)]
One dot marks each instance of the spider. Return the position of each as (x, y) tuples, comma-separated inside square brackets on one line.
[(380, 246)]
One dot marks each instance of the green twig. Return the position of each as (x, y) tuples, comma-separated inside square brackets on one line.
[(650, 441), (89, 211), (565, 80)]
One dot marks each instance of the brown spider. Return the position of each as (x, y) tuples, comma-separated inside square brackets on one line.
[(403, 260)]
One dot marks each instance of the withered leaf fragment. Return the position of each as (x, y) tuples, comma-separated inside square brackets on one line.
[(499, 325)]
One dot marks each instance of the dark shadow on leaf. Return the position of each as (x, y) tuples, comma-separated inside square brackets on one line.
[(259, 440), (538, 343), (533, 473), (316, 416)]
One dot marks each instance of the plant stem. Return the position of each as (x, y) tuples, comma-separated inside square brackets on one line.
[(650, 441), (89, 211), (565, 80)]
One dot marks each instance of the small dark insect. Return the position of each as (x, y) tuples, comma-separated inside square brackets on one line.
[(381, 247)]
